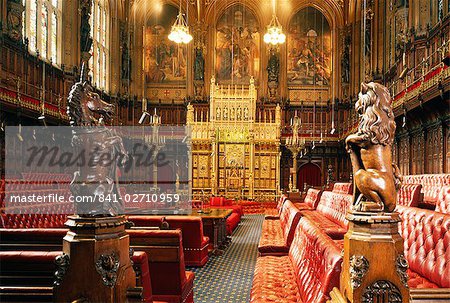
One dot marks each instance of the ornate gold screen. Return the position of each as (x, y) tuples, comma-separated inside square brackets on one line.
[(233, 155)]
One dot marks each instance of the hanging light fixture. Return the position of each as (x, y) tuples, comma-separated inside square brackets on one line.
[(274, 33), (180, 30)]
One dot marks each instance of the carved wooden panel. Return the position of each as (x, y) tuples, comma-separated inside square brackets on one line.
[(435, 150), (404, 155), (417, 153)]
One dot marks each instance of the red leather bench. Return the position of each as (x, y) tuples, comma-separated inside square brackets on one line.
[(409, 195), (443, 203), (195, 243), (330, 214), (307, 274), (343, 188), (275, 212), (431, 186), (277, 235), (26, 270), (426, 236), (235, 218), (311, 200)]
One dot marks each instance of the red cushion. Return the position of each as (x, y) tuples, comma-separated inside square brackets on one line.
[(312, 197), (431, 185), (274, 281), (272, 240), (335, 206), (332, 229), (343, 188), (316, 261), (289, 218), (140, 264), (232, 222), (409, 195), (417, 281), (443, 203), (426, 237)]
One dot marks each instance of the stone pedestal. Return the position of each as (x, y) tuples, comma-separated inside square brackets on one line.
[(96, 265), (374, 267)]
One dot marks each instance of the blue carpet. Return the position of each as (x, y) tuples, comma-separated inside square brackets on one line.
[(228, 278)]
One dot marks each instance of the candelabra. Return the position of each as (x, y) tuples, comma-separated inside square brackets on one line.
[(295, 144), (156, 141)]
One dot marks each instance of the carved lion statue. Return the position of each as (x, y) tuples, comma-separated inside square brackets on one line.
[(376, 178)]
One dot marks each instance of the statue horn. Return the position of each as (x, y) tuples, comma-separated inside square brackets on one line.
[(83, 72)]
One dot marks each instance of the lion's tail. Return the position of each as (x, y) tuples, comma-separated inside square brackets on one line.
[(398, 177)]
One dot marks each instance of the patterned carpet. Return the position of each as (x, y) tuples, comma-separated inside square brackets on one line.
[(228, 278)]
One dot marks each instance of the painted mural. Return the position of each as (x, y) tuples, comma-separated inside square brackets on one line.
[(237, 46), (164, 60), (309, 49)]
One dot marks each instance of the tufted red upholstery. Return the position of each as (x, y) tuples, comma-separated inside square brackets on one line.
[(311, 200), (307, 274), (277, 235), (343, 188), (431, 186), (274, 213), (194, 242), (330, 214), (409, 195), (443, 203), (426, 237)]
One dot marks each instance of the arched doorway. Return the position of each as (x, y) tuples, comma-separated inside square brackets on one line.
[(310, 174)]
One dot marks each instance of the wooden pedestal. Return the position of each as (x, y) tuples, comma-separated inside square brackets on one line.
[(95, 265), (374, 267)]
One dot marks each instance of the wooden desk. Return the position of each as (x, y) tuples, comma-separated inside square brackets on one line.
[(215, 227)]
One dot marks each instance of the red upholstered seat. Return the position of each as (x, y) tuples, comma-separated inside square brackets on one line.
[(443, 203), (426, 236), (431, 186), (194, 242), (272, 239), (409, 195), (307, 274), (326, 225), (277, 235), (330, 214), (417, 281), (274, 281), (274, 213), (343, 188), (311, 200)]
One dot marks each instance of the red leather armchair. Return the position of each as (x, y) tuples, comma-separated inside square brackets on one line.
[(426, 236), (194, 242), (307, 274)]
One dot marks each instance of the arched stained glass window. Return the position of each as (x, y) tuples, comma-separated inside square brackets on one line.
[(42, 27), (99, 62)]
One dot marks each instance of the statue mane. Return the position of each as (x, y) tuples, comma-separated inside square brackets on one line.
[(377, 117)]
